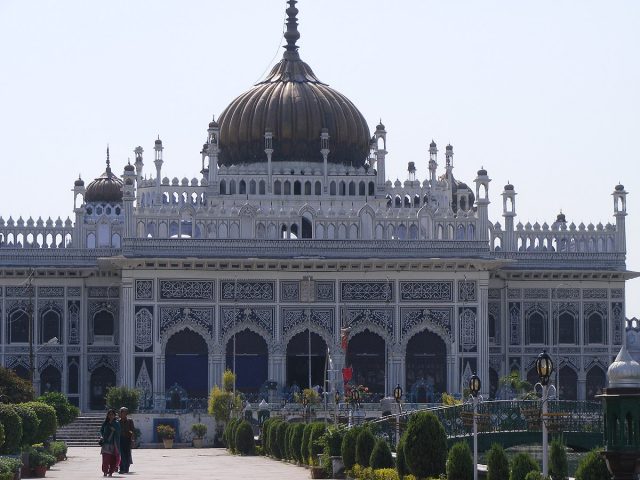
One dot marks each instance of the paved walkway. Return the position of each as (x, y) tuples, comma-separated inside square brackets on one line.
[(188, 463)]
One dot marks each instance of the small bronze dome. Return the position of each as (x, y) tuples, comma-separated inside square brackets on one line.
[(561, 218), (619, 187), (295, 106), (508, 187), (482, 172), (129, 168), (106, 188), (79, 182)]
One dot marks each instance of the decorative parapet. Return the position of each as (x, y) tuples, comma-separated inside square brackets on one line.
[(46, 257), (563, 260), (36, 233)]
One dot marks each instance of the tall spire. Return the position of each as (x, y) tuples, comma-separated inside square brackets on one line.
[(292, 34), (108, 161)]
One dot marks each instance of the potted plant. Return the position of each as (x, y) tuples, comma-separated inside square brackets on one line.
[(167, 433), (199, 431), (39, 462)]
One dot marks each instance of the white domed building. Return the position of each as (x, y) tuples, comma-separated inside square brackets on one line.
[(290, 234)]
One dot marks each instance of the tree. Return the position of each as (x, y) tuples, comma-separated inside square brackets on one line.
[(381, 455), (521, 465), (558, 465), (118, 397), (497, 463), (425, 447), (14, 388), (459, 462), (364, 446), (12, 424), (65, 412), (593, 467)]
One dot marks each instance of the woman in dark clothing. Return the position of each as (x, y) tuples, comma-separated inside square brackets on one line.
[(127, 437), (110, 441)]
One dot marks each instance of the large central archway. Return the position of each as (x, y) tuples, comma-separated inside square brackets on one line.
[(298, 360), (101, 379), (251, 360), (186, 363), (366, 355), (426, 367)]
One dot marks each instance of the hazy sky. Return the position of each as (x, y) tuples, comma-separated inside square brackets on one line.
[(543, 94)]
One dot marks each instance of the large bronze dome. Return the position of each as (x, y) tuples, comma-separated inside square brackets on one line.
[(106, 188), (295, 106)]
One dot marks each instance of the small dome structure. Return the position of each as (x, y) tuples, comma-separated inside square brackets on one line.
[(106, 188), (79, 182), (624, 372)]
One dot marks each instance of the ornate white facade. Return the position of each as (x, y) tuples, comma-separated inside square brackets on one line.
[(262, 251)]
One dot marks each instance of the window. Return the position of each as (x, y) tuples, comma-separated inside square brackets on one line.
[(566, 328), (18, 326), (536, 328), (49, 326), (595, 328), (103, 326)]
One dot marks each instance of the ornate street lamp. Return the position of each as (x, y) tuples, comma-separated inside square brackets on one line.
[(544, 367), (397, 395), (474, 387)]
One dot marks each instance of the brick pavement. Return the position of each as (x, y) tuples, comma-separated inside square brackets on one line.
[(186, 463)]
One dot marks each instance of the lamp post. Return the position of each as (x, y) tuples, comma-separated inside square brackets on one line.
[(336, 397), (557, 331), (397, 395), (474, 388), (544, 368)]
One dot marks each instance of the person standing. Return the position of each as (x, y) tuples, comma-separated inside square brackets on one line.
[(110, 443), (127, 437)]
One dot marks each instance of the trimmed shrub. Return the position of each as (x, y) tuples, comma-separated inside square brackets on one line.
[(381, 455), (386, 474), (281, 434), (521, 465), (364, 446), (295, 440), (287, 442), (460, 462), (558, 465), (1, 435), (348, 448), (497, 463), (16, 389), (58, 449), (12, 423), (65, 412), (245, 444), (304, 445), (48, 422), (274, 448), (117, 397), (30, 423), (316, 445), (593, 467), (424, 429), (535, 475), (266, 435), (332, 441), (401, 465)]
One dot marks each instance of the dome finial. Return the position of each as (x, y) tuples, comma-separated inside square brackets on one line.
[(108, 161), (292, 34)]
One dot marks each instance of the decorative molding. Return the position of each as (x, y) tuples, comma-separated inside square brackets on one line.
[(171, 316), (187, 290), (110, 361), (50, 292), (366, 291), (379, 317), (436, 319), (143, 328), (73, 316), (427, 291), (260, 291), (292, 318), (529, 293), (594, 293), (232, 318), (74, 291), (103, 292), (144, 289)]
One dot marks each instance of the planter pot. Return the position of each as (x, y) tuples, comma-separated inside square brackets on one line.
[(197, 442), (25, 471), (317, 472), (338, 467), (168, 442), (40, 471)]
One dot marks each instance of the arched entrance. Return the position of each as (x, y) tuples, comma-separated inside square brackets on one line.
[(568, 383), (298, 360), (426, 368), (50, 380), (101, 379), (595, 382), (366, 355), (251, 360), (186, 363)]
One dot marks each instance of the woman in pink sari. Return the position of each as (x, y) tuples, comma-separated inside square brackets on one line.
[(110, 443)]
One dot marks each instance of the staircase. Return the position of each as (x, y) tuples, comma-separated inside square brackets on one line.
[(84, 431)]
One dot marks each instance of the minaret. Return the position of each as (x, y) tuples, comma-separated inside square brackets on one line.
[(509, 214), (324, 150), (128, 197), (449, 159), (433, 162), (411, 168), (158, 162), (620, 211), (381, 152), (138, 151), (268, 150), (78, 194), (213, 139), (482, 202)]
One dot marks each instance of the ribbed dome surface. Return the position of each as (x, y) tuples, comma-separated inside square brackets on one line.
[(295, 106), (106, 188)]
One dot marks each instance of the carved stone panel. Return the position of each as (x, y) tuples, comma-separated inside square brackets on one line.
[(467, 291), (494, 294), (536, 293), (73, 313), (50, 292), (325, 291), (468, 331), (617, 293), (289, 291), (294, 317), (259, 316), (366, 291), (74, 291), (515, 323), (566, 293), (110, 361), (427, 291), (380, 317), (144, 289), (594, 293), (144, 381), (22, 291), (617, 317), (103, 292), (436, 319), (187, 290), (260, 291), (514, 293), (171, 316), (144, 329)]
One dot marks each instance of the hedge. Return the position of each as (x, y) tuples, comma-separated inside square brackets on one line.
[(304, 445), (348, 448), (364, 446), (316, 446), (381, 455), (48, 422), (274, 448), (12, 428), (30, 423), (295, 441), (401, 466), (558, 465), (65, 412), (245, 444), (281, 433)]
